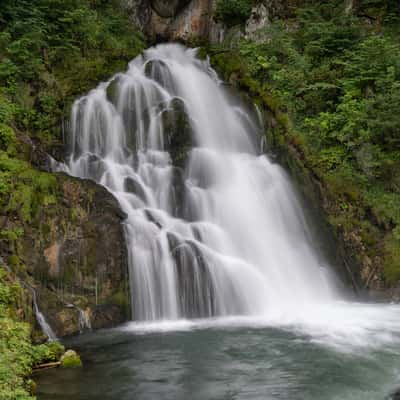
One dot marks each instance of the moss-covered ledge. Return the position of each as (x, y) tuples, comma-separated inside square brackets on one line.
[(66, 240)]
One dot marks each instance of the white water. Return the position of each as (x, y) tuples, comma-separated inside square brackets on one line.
[(84, 320), (40, 318), (44, 325), (226, 236)]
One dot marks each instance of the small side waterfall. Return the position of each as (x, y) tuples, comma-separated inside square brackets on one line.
[(213, 227), (44, 325), (84, 320)]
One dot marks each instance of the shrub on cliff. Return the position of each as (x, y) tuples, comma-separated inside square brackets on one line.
[(233, 12)]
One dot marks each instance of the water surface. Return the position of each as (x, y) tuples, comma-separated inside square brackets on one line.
[(226, 359)]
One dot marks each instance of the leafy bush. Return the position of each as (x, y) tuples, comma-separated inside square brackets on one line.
[(50, 52), (233, 12), (53, 50), (17, 354)]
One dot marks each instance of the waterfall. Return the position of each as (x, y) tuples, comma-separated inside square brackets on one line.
[(84, 320), (213, 226), (44, 325), (40, 318)]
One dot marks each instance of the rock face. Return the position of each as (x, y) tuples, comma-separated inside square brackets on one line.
[(194, 20), (76, 255), (168, 8), (182, 20)]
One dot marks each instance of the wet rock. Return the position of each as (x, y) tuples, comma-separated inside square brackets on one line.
[(194, 279), (133, 186), (158, 71), (177, 132), (106, 315), (112, 90), (395, 395), (178, 192)]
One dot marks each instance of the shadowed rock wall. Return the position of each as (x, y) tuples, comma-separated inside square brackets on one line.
[(76, 259)]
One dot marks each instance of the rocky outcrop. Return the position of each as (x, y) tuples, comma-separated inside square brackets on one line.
[(182, 20), (192, 21), (75, 255), (177, 131), (168, 8)]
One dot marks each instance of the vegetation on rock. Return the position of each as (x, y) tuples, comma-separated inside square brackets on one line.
[(17, 354), (233, 12), (50, 53), (71, 359)]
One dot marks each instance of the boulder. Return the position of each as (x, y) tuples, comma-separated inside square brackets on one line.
[(177, 132)]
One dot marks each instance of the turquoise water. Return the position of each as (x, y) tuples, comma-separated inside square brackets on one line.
[(221, 362)]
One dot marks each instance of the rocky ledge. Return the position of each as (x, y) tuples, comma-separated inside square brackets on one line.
[(76, 259)]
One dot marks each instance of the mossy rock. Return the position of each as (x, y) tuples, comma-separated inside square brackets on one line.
[(71, 359), (177, 132)]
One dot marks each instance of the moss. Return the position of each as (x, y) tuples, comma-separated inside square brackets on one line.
[(392, 259), (17, 354), (24, 189), (13, 260), (120, 299), (233, 12), (37, 86), (71, 359)]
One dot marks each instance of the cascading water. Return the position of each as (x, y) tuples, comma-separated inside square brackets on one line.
[(213, 227), (44, 325), (40, 318)]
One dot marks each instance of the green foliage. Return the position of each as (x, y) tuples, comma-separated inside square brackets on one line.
[(47, 352), (325, 31), (53, 50), (17, 354), (15, 345), (50, 52), (392, 259), (233, 12), (71, 360), (23, 189)]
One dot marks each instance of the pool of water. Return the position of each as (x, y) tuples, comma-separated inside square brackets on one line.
[(224, 359)]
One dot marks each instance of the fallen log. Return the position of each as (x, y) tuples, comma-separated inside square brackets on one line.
[(54, 364)]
